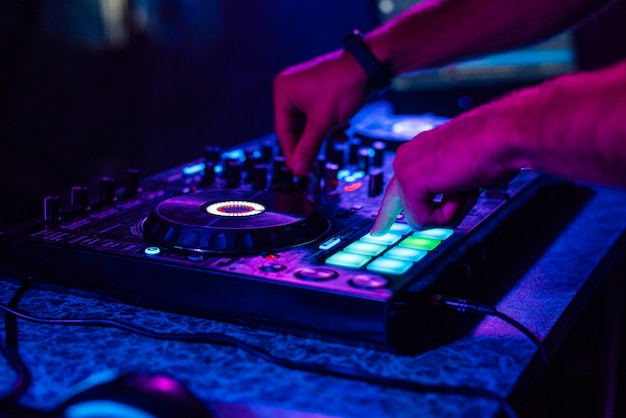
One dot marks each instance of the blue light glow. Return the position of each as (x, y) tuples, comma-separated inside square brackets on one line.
[(193, 169), (103, 408), (236, 154)]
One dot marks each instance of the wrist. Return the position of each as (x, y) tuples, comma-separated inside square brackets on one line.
[(377, 75)]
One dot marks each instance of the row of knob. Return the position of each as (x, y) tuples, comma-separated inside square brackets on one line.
[(80, 202), (256, 165)]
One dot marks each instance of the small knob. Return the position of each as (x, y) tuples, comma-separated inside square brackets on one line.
[(107, 190), (208, 176), (258, 177), (80, 199), (51, 208), (376, 182), (233, 174), (286, 180), (277, 165), (212, 154), (379, 153), (331, 180), (355, 145), (132, 182), (335, 153), (364, 155)]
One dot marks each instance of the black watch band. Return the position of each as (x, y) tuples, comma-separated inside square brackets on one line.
[(374, 70)]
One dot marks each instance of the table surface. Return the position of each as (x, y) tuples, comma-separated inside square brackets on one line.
[(491, 357)]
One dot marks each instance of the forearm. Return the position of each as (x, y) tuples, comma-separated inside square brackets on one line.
[(442, 31), (574, 127)]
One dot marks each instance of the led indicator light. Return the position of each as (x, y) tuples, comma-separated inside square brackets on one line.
[(352, 187)]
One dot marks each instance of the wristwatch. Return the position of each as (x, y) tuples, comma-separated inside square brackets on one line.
[(376, 74)]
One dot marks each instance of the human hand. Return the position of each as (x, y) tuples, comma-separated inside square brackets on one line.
[(311, 100), (452, 160)]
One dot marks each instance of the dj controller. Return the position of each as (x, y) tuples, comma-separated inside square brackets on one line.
[(234, 236)]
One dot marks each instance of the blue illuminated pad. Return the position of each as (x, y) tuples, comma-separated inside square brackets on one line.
[(436, 233), (389, 266), (406, 254), (399, 228), (350, 260), (389, 238), (365, 248)]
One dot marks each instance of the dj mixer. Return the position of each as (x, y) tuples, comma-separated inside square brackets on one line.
[(234, 236)]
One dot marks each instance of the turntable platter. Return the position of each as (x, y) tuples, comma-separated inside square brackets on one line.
[(396, 129), (234, 221)]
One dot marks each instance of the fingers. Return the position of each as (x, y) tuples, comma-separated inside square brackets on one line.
[(390, 208), (448, 212), (305, 152), (420, 212)]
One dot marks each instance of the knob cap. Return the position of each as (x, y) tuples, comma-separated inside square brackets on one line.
[(107, 190), (379, 153), (80, 199), (51, 209), (376, 183), (132, 182)]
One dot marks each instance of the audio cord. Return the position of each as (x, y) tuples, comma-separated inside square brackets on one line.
[(11, 353)]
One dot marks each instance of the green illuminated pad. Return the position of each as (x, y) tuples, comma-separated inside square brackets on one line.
[(436, 233), (389, 266), (365, 248), (405, 254), (420, 243), (343, 259)]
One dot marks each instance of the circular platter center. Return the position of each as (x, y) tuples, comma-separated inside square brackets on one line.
[(235, 208)]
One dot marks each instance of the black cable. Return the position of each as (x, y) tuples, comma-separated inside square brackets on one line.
[(471, 306), (329, 369)]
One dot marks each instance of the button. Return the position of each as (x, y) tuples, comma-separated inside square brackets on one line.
[(195, 257), (316, 274), (389, 266), (152, 251), (389, 238), (343, 259), (365, 248), (420, 243), (272, 267), (437, 233), (399, 228), (406, 254), (366, 281)]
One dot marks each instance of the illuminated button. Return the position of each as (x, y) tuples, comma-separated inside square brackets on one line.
[(389, 266), (195, 257), (330, 243), (406, 254), (349, 260), (388, 239), (365, 248), (152, 251), (401, 229), (437, 233), (366, 281), (315, 274), (420, 243), (193, 169)]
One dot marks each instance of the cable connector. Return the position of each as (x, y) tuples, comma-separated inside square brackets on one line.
[(459, 305)]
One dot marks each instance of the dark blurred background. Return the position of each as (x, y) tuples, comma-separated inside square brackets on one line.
[(90, 88)]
